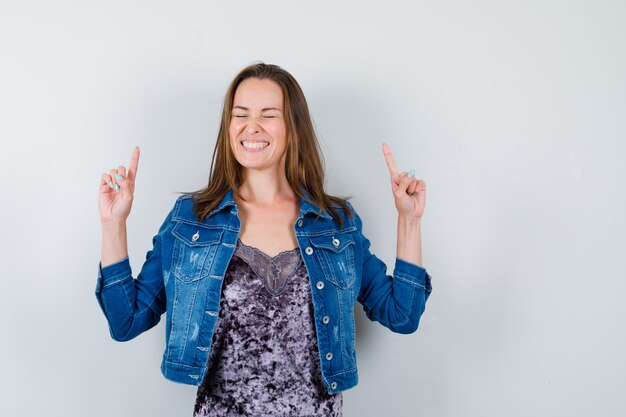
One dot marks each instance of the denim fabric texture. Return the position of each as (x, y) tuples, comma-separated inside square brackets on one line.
[(183, 274)]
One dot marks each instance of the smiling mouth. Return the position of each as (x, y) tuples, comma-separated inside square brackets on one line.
[(254, 146)]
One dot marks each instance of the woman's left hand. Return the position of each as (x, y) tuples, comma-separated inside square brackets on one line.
[(409, 193)]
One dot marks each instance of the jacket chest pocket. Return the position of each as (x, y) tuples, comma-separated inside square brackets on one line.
[(193, 252), (336, 256)]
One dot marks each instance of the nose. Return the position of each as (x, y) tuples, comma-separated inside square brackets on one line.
[(253, 125)]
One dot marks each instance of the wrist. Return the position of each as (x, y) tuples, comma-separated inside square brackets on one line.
[(409, 221), (113, 226)]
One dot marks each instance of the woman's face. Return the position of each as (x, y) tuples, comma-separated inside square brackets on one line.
[(258, 134)]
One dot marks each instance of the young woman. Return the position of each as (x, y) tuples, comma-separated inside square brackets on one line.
[(260, 270)]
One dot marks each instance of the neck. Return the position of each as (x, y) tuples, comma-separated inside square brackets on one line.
[(265, 187)]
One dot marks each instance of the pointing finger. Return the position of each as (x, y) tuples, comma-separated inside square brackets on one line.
[(134, 162), (393, 171)]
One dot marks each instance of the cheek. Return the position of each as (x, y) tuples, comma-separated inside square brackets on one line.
[(278, 131), (232, 139), (234, 130)]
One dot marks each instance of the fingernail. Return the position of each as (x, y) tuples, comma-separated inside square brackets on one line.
[(411, 173), (117, 188), (111, 184), (118, 177)]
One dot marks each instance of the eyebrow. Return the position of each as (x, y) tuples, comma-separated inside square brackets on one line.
[(264, 109)]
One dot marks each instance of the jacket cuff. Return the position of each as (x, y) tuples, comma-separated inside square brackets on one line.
[(413, 274), (112, 274)]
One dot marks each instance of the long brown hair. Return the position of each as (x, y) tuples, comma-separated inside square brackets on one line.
[(304, 164)]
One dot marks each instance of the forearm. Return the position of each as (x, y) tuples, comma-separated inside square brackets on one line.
[(409, 244), (398, 300), (114, 243), (130, 305)]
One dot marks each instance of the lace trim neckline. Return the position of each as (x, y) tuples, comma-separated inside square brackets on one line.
[(239, 242), (273, 271)]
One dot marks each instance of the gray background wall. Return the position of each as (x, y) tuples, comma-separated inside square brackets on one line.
[(513, 111)]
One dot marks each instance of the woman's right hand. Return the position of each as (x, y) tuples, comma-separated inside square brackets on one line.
[(115, 198)]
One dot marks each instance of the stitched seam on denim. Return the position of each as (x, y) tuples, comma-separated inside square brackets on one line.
[(175, 232), (188, 222), (353, 323), (326, 266), (224, 272), (313, 212), (114, 264), (400, 278), (328, 232), (176, 258), (347, 242), (350, 252), (323, 310), (177, 205), (345, 371), (110, 284), (182, 364), (342, 326)]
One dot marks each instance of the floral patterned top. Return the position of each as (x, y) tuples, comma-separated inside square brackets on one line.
[(264, 359)]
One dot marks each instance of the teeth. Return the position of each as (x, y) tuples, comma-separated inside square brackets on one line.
[(254, 145)]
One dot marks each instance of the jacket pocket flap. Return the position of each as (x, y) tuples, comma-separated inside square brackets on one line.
[(197, 236), (335, 243)]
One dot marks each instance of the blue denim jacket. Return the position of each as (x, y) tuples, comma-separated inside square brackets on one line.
[(184, 271)]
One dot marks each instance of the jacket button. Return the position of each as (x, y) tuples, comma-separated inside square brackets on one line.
[(333, 385), (336, 242), (319, 285), (300, 223), (308, 250), (329, 356), (325, 319), (195, 236)]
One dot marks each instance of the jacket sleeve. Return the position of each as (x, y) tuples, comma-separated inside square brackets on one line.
[(396, 301), (132, 306)]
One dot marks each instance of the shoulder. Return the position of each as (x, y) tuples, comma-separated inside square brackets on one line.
[(348, 214), (183, 209), (188, 206), (347, 211)]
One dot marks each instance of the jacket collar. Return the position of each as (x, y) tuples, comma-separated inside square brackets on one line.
[(305, 206), (227, 201)]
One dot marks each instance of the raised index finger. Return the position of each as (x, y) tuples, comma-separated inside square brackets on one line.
[(134, 162), (390, 162)]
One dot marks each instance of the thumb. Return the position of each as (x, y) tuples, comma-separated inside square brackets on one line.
[(126, 189)]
